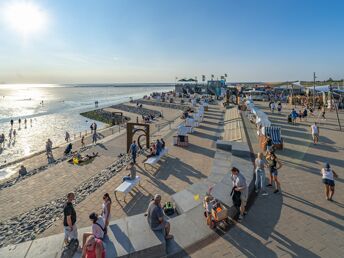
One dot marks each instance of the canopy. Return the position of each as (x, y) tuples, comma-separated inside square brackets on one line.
[(182, 130)]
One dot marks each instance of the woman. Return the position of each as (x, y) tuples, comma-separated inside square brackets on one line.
[(274, 164), (328, 179), (106, 213), (94, 248), (260, 164), (97, 229)]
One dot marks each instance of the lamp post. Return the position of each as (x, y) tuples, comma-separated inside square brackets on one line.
[(314, 90)]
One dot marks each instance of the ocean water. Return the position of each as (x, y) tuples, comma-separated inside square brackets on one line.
[(60, 112)]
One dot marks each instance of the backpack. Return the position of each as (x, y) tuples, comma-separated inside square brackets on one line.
[(168, 209)]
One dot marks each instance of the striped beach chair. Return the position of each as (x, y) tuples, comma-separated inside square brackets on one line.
[(276, 137)]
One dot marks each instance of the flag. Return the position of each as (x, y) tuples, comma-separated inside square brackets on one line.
[(196, 197)]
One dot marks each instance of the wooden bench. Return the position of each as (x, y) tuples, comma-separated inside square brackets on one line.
[(153, 160), (127, 186)]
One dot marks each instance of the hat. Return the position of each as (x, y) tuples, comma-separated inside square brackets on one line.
[(327, 165)]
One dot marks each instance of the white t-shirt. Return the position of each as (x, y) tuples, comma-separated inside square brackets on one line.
[(314, 129), (327, 174), (97, 231)]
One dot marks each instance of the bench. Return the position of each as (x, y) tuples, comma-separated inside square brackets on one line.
[(127, 186), (153, 160)]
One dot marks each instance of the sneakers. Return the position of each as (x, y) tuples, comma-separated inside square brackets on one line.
[(240, 218), (276, 191), (265, 193)]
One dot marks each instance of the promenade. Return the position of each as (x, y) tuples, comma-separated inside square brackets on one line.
[(299, 222)]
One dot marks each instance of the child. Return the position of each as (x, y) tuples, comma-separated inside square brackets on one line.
[(208, 207)]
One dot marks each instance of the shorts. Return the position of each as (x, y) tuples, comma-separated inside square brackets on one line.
[(243, 198), (328, 182), (161, 226), (273, 172), (315, 135), (71, 233)]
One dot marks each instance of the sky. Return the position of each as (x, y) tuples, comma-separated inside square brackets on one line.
[(105, 41)]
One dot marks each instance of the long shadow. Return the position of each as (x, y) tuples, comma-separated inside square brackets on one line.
[(101, 145), (200, 150), (179, 169), (206, 136), (303, 201), (207, 128), (215, 117), (121, 238), (291, 247)]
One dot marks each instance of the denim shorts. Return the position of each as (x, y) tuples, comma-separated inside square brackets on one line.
[(328, 182), (273, 172)]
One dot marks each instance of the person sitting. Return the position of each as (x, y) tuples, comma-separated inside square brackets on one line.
[(132, 174), (22, 170), (158, 147), (151, 152), (98, 227), (155, 217), (94, 248), (68, 149)]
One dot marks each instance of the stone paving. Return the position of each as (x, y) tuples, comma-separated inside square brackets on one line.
[(180, 168), (299, 222)]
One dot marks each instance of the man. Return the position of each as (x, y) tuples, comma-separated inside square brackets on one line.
[(155, 217), (239, 184), (132, 175), (315, 133), (69, 219), (133, 151), (22, 170)]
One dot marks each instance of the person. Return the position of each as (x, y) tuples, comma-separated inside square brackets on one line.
[(83, 141), (158, 147), (239, 184), (25, 122), (328, 176), (293, 115), (95, 127), (163, 143), (208, 207), (274, 164), (94, 248), (14, 133), (305, 114), (323, 113), (133, 151), (132, 174), (155, 217), (273, 106), (94, 137), (315, 133), (11, 123), (69, 219), (260, 165), (98, 226), (19, 121), (106, 210), (68, 149), (91, 127), (300, 115), (279, 107), (31, 122), (268, 143), (22, 170), (67, 138), (311, 111), (2, 140)]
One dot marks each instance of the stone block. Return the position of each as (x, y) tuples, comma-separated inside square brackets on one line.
[(184, 201), (16, 251), (144, 241), (117, 241), (222, 192), (46, 247), (224, 145)]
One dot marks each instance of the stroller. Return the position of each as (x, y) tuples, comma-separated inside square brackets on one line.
[(68, 149), (216, 214)]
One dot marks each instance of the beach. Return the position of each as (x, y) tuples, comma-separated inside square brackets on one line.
[(60, 112)]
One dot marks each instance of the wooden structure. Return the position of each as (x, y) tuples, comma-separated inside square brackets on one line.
[(132, 129)]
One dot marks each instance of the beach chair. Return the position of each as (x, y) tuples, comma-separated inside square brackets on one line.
[(127, 186), (275, 134)]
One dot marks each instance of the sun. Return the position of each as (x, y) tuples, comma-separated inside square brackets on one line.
[(25, 18)]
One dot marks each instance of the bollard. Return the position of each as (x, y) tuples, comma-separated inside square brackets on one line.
[(80, 134)]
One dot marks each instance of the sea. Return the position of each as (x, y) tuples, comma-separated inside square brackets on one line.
[(53, 109)]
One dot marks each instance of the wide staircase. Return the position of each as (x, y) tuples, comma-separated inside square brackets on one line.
[(232, 125)]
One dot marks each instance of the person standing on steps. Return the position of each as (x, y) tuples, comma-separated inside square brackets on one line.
[(67, 138), (328, 176), (83, 141), (274, 164), (133, 151), (315, 132), (239, 184), (69, 219)]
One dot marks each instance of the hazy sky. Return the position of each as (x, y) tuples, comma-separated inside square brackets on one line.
[(157, 40)]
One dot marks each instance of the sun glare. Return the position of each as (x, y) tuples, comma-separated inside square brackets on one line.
[(25, 18)]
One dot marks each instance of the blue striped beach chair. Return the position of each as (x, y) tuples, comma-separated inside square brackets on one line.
[(276, 137)]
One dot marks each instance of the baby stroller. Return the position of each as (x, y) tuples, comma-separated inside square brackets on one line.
[(215, 213)]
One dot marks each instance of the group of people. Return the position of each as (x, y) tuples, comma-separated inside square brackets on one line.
[(273, 106), (156, 148)]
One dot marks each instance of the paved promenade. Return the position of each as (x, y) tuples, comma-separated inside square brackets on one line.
[(299, 222)]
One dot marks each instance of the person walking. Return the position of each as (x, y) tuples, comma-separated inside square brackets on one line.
[(25, 122), (83, 141), (328, 176), (69, 220), (315, 133), (106, 210), (19, 121), (91, 127), (95, 127), (133, 151), (323, 113), (273, 106), (67, 137), (260, 165), (239, 184), (274, 164), (11, 123), (279, 107), (14, 133), (293, 115)]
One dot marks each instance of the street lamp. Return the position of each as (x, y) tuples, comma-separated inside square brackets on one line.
[(314, 90)]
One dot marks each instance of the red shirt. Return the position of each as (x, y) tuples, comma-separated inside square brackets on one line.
[(92, 253)]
